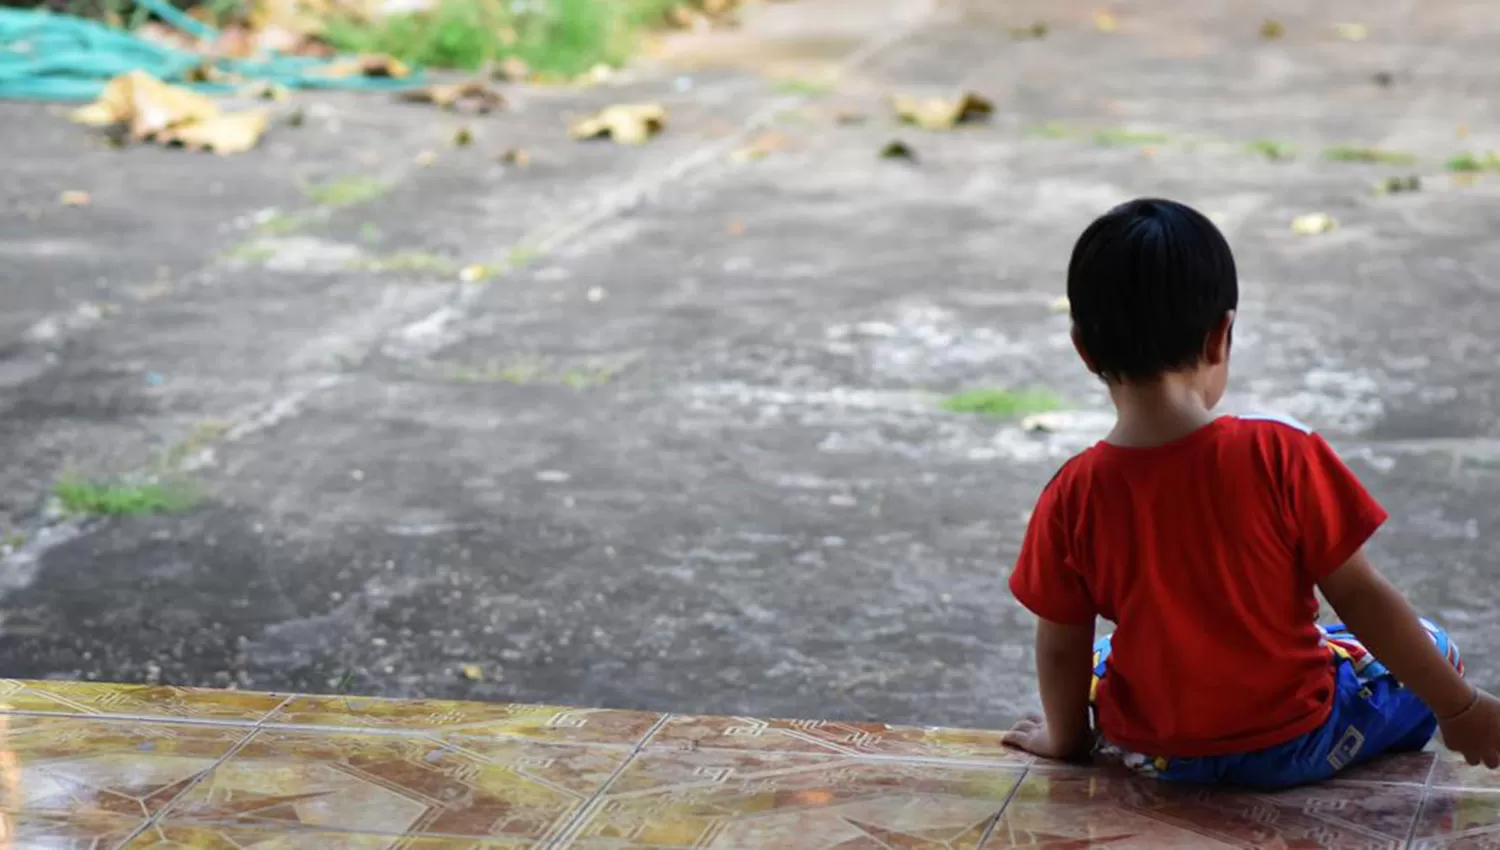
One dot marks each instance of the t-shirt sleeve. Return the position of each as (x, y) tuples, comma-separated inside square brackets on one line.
[(1334, 513), (1046, 579)]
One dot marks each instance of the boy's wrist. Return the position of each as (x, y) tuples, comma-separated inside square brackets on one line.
[(1454, 701), (1452, 714)]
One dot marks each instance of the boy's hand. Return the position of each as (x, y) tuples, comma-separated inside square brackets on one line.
[(1032, 735), (1476, 732)]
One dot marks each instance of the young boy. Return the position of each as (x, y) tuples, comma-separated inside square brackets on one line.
[(1203, 539)]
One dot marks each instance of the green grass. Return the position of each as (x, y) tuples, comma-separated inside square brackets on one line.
[(1272, 149), (1117, 136), (1051, 130), (1471, 163), (1002, 403), (410, 262), (802, 87), (345, 191), (1369, 155), (90, 498), (554, 37)]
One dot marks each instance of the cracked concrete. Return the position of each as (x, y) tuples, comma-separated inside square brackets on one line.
[(689, 455)]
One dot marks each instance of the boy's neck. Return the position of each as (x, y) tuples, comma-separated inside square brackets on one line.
[(1158, 412)]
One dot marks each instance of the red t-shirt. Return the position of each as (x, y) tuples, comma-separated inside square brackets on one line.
[(1204, 552)]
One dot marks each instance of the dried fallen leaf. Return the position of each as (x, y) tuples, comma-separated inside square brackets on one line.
[(474, 273), (223, 134), (518, 157), (735, 228), (514, 70), (1272, 30), (473, 97), (425, 158), (73, 198), (940, 113), (849, 116), (1037, 30), (626, 124), (1351, 31), (472, 672), (1384, 79), (463, 137), (762, 146), (1399, 185), (367, 66), (145, 105), (1104, 21), (1312, 224), (897, 149), (151, 109)]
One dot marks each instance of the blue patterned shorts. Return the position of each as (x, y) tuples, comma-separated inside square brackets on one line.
[(1372, 714)]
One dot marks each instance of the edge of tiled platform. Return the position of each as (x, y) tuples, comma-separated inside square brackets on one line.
[(217, 768)]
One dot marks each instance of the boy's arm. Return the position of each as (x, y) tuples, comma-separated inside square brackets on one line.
[(1381, 618), (1064, 669)]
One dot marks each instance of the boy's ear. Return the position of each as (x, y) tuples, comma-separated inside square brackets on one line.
[(1220, 340), (1083, 353)]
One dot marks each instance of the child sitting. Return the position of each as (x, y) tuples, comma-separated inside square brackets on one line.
[(1203, 540)]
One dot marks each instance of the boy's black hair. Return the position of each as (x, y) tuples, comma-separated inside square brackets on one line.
[(1147, 282)]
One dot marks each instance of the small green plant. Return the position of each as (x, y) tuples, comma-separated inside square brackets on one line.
[(1272, 149), (1369, 155), (408, 262), (345, 191), (803, 87), (1051, 130), (252, 252), (1002, 403), (278, 223), (90, 498), (554, 37), (1119, 136), (1471, 163)]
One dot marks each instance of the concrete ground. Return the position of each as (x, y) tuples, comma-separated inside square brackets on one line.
[(687, 453)]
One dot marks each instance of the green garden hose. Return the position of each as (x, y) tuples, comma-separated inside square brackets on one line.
[(48, 56)]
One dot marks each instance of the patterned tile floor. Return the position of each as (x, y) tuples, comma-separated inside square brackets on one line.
[(99, 766)]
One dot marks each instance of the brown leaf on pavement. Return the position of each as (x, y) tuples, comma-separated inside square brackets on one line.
[(1036, 31), (367, 66), (73, 198), (898, 149), (1312, 224), (1104, 21), (940, 113), (1272, 30), (473, 97), (518, 157), (762, 146), (626, 124), (145, 105), (223, 134)]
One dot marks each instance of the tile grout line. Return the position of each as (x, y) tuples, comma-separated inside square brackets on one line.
[(1416, 818), (161, 813), (574, 823), (994, 823)]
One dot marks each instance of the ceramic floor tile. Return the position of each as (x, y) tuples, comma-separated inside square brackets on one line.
[(1456, 818), (1452, 772), (715, 799), (172, 836), (136, 701), (1405, 768), (826, 736), (544, 722), (65, 831), (124, 767), (1073, 809), (389, 784)]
